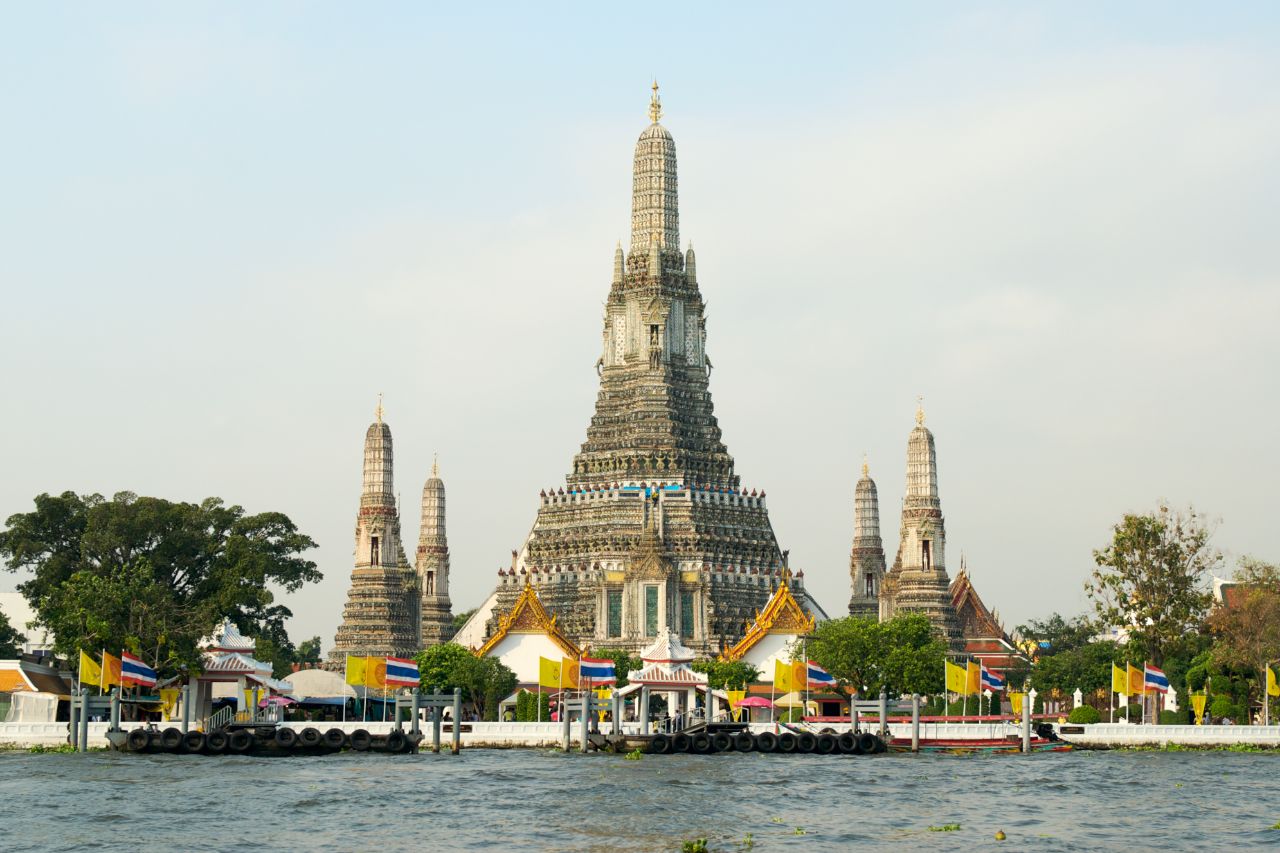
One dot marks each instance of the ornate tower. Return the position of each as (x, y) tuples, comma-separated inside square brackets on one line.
[(866, 561), (652, 528), (918, 581), (381, 614), (433, 564)]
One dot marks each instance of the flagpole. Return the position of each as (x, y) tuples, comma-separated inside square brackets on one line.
[(364, 706), (345, 683), (1266, 693)]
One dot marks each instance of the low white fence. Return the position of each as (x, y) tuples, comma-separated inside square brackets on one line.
[(1106, 735)]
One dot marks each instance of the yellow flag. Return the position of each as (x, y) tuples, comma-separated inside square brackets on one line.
[(569, 672), (90, 671), (1015, 699), (1136, 681), (975, 678), (355, 671), (1119, 680), (603, 694), (110, 670), (548, 672), (1198, 701), (957, 679), (375, 673), (169, 701), (735, 696), (788, 676), (1273, 689)]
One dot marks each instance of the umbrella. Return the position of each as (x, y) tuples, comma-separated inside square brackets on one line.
[(753, 702), (276, 700)]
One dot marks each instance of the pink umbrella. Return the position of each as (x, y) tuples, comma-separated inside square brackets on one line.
[(277, 700), (753, 702)]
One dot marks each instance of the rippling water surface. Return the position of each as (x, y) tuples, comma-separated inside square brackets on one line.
[(543, 800)]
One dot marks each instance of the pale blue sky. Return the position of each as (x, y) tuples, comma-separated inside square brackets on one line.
[(227, 226)]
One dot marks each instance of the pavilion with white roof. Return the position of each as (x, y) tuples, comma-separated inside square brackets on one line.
[(666, 670), (229, 670)]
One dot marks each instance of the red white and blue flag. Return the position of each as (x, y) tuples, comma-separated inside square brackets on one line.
[(402, 672), (819, 677), (991, 680), (1154, 679), (134, 671), (597, 671)]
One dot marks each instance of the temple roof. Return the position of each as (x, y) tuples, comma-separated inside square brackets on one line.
[(667, 649), (528, 616), (973, 616), (681, 676), (782, 615), (227, 638)]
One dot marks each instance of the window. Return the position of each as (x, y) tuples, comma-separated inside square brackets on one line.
[(615, 612), (651, 611), (871, 587), (686, 614), (924, 555), (373, 551)]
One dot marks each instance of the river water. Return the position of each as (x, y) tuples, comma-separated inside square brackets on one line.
[(545, 800)]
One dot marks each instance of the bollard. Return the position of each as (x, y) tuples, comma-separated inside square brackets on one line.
[(853, 714), (416, 728), (84, 719), (115, 709), (884, 715), (457, 720), (186, 708), (915, 722), (436, 713), (73, 728), (644, 709), (1026, 724), (616, 725), (564, 724), (586, 721)]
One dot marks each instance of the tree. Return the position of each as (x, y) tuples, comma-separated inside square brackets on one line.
[(1247, 631), (721, 673), (10, 640), (623, 662), (151, 575), (899, 656), (460, 619), (438, 666), (1087, 668), (309, 652), (1152, 578), (1058, 634), (485, 682)]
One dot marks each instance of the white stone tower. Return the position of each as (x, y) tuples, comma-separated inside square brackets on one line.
[(381, 614), (866, 561), (433, 564)]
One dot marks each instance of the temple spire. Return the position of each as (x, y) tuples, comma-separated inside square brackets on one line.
[(655, 216), (655, 104)]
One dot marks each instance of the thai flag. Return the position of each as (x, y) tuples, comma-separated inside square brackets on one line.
[(819, 677), (134, 671), (597, 671), (990, 680), (403, 672), (1154, 679)]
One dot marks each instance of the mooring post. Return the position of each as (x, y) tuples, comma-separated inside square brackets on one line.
[(884, 714), (644, 709), (186, 708), (416, 727), (115, 709), (84, 719), (436, 713), (457, 720), (564, 724), (73, 727), (1026, 723), (586, 720), (853, 714), (915, 722), (616, 725)]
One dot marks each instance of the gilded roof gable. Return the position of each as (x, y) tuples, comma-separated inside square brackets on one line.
[(782, 615), (528, 616)]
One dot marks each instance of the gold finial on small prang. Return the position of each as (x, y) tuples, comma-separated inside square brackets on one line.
[(655, 104), (435, 465), (920, 411), (378, 411), (866, 470)]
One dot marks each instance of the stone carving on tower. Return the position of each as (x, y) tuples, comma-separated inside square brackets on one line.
[(652, 527), (382, 611), (866, 560), (918, 581), (433, 564)]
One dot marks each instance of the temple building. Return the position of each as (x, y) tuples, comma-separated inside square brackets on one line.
[(387, 600), (866, 560), (526, 633), (918, 581), (433, 564), (773, 635), (653, 528)]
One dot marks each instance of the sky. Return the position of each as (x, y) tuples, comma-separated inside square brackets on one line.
[(225, 228)]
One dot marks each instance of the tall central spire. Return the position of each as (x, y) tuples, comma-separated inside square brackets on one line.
[(655, 215)]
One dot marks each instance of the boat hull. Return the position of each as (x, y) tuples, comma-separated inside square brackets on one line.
[(970, 747)]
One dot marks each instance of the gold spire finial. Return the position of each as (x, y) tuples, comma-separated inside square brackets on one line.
[(866, 471), (435, 465), (920, 411), (655, 104), (378, 411)]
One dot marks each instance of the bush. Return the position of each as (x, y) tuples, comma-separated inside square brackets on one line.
[(1222, 707), (1084, 715), (1173, 718)]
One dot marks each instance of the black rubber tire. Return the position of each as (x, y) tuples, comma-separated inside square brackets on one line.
[(310, 737), (827, 731), (847, 743), (660, 745), (766, 742), (239, 742), (806, 742), (786, 742), (138, 740), (396, 742), (171, 739), (700, 743), (286, 738), (153, 740), (193, 742), (680, 742), (743, 742), (361, 740), (867, 743), (826, 744), (215, 743), (335, 738), (721, 742), (881, 746)]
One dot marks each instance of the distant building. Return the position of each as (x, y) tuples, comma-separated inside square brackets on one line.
[(14, 606)]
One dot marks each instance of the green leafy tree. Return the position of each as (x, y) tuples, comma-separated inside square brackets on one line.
[(438, 666), (309, 652), (485, 682), (1153, 578), (731, 673), (1058, 633), (623, 662), (152, 575), (1247, 633), (1087, 668), (901, 655), (10, 640)]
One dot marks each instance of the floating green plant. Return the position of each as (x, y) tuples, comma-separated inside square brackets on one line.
[(694, 845), (634, 755), (946, 827)]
